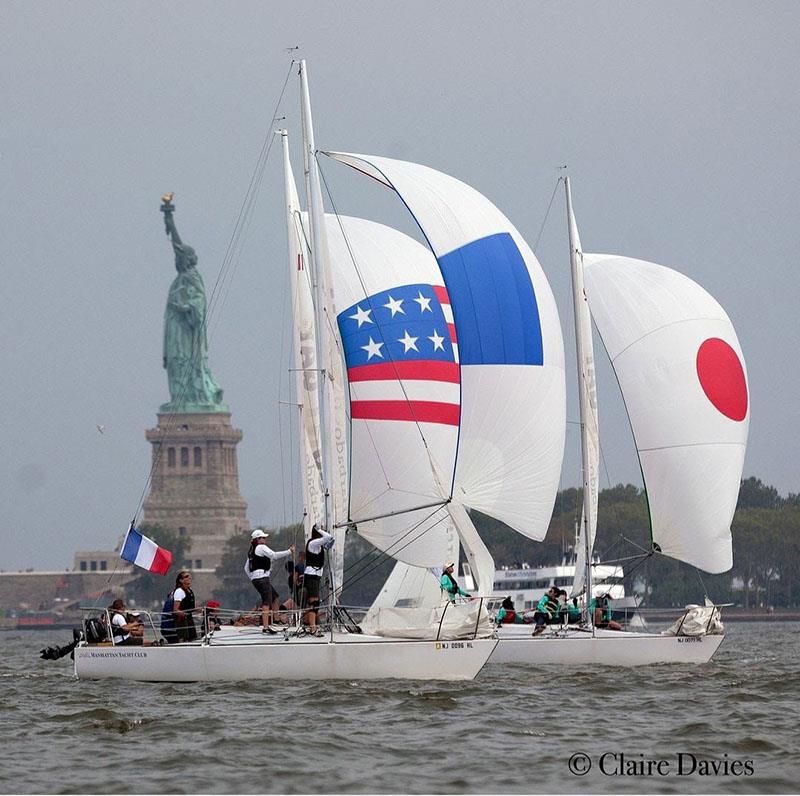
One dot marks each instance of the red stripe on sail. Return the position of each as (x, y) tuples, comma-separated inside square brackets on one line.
[(415, 411), (162, 561), (420, 369), (441, 293), (451, 327)]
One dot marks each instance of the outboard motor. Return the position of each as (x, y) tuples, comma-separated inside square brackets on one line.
[(55, 653)]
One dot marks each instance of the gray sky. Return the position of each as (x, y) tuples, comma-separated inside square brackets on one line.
[(679, 123)]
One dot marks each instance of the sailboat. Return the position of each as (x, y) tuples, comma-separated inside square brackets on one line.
[(446, 644), (681, 372)]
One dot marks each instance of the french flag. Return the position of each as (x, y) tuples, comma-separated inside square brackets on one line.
[(145, 553)]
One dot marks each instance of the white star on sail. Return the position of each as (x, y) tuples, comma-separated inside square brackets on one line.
[(394, 306), (424, 303), (362, 316), (373, 349), (438, 342), (409, 342)]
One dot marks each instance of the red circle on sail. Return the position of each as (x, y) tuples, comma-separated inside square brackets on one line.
[(722, 378)]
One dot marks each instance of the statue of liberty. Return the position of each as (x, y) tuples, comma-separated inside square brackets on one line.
[(192, 386)]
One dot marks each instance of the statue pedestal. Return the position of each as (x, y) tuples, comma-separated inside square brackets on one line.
[(195, 484)]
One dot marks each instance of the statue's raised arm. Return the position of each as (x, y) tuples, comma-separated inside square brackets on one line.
[(167, 208)]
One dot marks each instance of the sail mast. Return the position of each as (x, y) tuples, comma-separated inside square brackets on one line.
[(316, 216), (587, 396)]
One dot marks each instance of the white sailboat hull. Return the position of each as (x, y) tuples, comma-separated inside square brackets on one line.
[(605, 648), (354, 657)]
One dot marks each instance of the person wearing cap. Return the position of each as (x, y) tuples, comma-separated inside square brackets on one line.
[(449, 585), (257, 566), (507, 615)]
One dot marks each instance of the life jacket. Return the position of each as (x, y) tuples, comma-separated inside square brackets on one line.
[(187, 603), (316, 560), (510, 617), (168, 619), (258, 562), (116, 631)]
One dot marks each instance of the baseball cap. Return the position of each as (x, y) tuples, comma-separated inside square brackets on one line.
[(258, 534)]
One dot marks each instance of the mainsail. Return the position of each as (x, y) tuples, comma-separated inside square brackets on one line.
[(587, 395), (682, 375), (305, 352)]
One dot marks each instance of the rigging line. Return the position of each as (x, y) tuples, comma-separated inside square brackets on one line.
[(378, 553), (547, 213), (254, 178), (644, 558), (702, 582), (382, 554), (607, 562), (390, 551), (393, 361), (637, 546)]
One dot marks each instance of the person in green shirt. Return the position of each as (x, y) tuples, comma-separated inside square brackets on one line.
[(600, 611), (546, 609), (568, 610), (507, 615), (449, 585)]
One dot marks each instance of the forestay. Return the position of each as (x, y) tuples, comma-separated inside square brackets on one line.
[(683, 378), (507, 339)]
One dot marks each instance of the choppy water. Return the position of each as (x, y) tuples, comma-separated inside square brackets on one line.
[(513, 730)]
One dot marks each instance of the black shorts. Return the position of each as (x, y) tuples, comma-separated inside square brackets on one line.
[(264, 587), (311, 583)]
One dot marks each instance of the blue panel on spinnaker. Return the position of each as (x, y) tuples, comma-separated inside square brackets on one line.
[(494, 305)]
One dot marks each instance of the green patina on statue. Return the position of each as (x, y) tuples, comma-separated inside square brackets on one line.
[(192, 386)]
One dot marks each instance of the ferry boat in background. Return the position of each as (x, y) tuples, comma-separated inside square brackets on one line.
[(526, 584)]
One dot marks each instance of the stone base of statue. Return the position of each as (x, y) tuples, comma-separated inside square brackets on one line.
[(195, 484)]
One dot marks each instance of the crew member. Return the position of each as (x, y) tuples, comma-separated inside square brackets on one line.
[(183, 606), (449, 585), (316, 546), (257, 566), (546, 609), (120, 627), (507, 614)]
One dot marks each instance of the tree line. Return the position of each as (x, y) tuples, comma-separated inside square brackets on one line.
[(766, 553)]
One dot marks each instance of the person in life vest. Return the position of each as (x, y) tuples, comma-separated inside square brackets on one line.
[(546, 609), (507, 615), (600, 611), (183, 605), (316, 546), (120, 627), (449, 585), (257, 567)]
